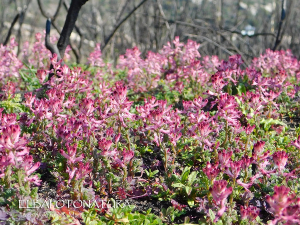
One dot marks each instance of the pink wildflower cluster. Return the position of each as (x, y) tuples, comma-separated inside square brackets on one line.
[(14, 153), (284, 206), (9, 62), (38, 55), (219, 124), (274, 61)]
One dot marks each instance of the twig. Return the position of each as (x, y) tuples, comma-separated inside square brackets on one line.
[(211, 41), (278, 39), (46, 15), (121, 22), (164, 16), (10, 29)]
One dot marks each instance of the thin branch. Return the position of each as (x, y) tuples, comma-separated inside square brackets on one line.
[(164, 16), (236, 49), (57, 10), (278, 39), (250, 36), (10, 29), (118, 17), (219, 30), (121, 22), (21, 21), (289, 10), (211, 41), (47, 15)]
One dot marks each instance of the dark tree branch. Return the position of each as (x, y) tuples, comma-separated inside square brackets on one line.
[(10, 29), (283, 11), (53, 48), (69, 25), (21, 21), (118, 17), (64, 39), (76, 27), (75, 50), (121, 22)]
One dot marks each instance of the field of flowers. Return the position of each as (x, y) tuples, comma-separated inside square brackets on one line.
[(175, 138)]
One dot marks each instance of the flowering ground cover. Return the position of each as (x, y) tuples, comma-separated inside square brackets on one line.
[(175, 138)]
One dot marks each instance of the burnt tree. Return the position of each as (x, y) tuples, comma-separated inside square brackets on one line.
[(64, 39)]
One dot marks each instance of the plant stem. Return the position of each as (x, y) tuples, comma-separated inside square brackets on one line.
[(226, 134), (231, 196)]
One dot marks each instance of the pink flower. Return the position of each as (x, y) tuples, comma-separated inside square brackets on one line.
[(211, 171), (280, 158), (10, 139), (71, 173), (280, 199), (122, 193), (174, 137), (249, 129), (95, 57), (4, 162), (296, 143), (41, 75), (258, 149), (224, 158), (284, 206), (104, 144), (110, 153), (246, 162), (228, 109), (127, 155), (218, 82), (29, 168), (248, 185), (7, 119), (83, 170), (234, 169), (250, 213), (176, 205), (71, 156), (220, 192), (87, 106), (262, 168)]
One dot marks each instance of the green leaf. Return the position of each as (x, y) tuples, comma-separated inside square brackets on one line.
[(220, 222), (188, 190), (185, 174), (192, 177), (191, 203), (211, 215), (170, 210), (241, 89), (178, 185)]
